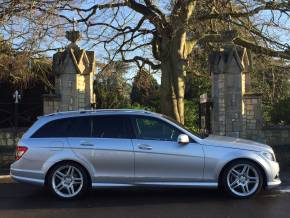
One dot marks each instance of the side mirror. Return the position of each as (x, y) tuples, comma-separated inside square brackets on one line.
[(183, 139)]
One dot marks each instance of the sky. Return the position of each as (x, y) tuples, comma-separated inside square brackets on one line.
[(125, 13)]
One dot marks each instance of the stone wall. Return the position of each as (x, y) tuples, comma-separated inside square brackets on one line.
[(273, 136), (276, 136), (279, 139), (252, 116), (50, 104), (8, 141)]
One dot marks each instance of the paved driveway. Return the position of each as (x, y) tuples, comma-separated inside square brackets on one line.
[(19, 200)]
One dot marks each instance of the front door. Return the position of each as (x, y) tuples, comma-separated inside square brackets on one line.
[(158, 156)]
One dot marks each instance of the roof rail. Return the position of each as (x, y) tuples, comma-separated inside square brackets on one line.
[(96, 110)]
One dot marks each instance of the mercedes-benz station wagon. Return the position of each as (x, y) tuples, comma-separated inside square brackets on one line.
[(71, 152)]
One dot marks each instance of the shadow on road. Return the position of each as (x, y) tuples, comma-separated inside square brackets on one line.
[(14, 196)]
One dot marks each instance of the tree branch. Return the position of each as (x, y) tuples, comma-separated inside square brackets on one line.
[(259, 49), (209, 38), (283, 6), (148, 13), (247, 44)]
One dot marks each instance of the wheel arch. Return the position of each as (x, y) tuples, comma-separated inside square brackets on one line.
[(67, 161), (264, 175)]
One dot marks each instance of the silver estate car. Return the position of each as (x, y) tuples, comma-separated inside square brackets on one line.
[(71, 152)]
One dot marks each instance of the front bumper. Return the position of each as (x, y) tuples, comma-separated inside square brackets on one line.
[(273, 175), (274, 183)]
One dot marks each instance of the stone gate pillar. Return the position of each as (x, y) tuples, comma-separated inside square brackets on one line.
[(229, 70), (74, 70)]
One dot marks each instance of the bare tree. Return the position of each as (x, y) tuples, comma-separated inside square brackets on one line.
[(31, 26), (25, 34), (164, 34)]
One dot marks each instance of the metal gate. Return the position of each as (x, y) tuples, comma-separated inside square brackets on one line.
[(205, 106), (20, 107)]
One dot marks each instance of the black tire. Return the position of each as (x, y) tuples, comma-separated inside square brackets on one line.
[(256, 187), (83, 188)]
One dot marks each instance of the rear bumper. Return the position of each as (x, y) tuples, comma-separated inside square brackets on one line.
[(27, 176), (28, 180)]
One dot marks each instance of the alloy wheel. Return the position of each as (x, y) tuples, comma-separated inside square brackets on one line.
[(243, 180), (67, 181)]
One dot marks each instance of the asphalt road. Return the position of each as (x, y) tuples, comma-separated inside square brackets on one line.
[(19, 200)]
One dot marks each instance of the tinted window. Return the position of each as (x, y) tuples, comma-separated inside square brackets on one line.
[(154, 129), (53, 129), (182, 126), (80, 127), (111, 127)]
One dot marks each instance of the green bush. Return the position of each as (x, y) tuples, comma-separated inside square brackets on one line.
[(191, 115), (141, 107), (280, 112)]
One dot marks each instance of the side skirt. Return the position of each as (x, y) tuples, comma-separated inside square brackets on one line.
[(159, 184)]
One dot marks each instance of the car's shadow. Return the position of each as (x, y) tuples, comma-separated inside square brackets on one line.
[(20, 196)]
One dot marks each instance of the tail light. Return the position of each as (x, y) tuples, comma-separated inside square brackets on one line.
[(20, 150)]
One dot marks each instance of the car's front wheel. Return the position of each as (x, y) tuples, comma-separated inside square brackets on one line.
[(68, 180), (242, 179)]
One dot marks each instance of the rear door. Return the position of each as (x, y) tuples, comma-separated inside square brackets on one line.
[(107, 144)]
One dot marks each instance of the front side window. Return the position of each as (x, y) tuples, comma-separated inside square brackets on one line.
[(182, 126), (154, 129), (111, 127), (52, 129)]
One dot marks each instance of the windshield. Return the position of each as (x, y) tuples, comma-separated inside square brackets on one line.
[(184, 127)]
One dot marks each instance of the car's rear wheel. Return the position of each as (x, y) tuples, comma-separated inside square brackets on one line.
[(68, 180), (242, 179)]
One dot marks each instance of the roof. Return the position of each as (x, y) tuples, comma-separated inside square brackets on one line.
[(99, 112)]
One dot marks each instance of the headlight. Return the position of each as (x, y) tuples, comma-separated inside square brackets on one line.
[(268, 155)]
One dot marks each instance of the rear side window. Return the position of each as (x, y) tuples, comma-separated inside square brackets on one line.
[(53, 129), (111, 127), (86, 126), (80, 127)]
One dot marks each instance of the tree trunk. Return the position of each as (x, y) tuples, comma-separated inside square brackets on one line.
[(174, 51), (173, 63)]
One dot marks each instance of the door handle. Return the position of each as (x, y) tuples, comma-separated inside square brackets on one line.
[(85, 143), (145, 147)]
